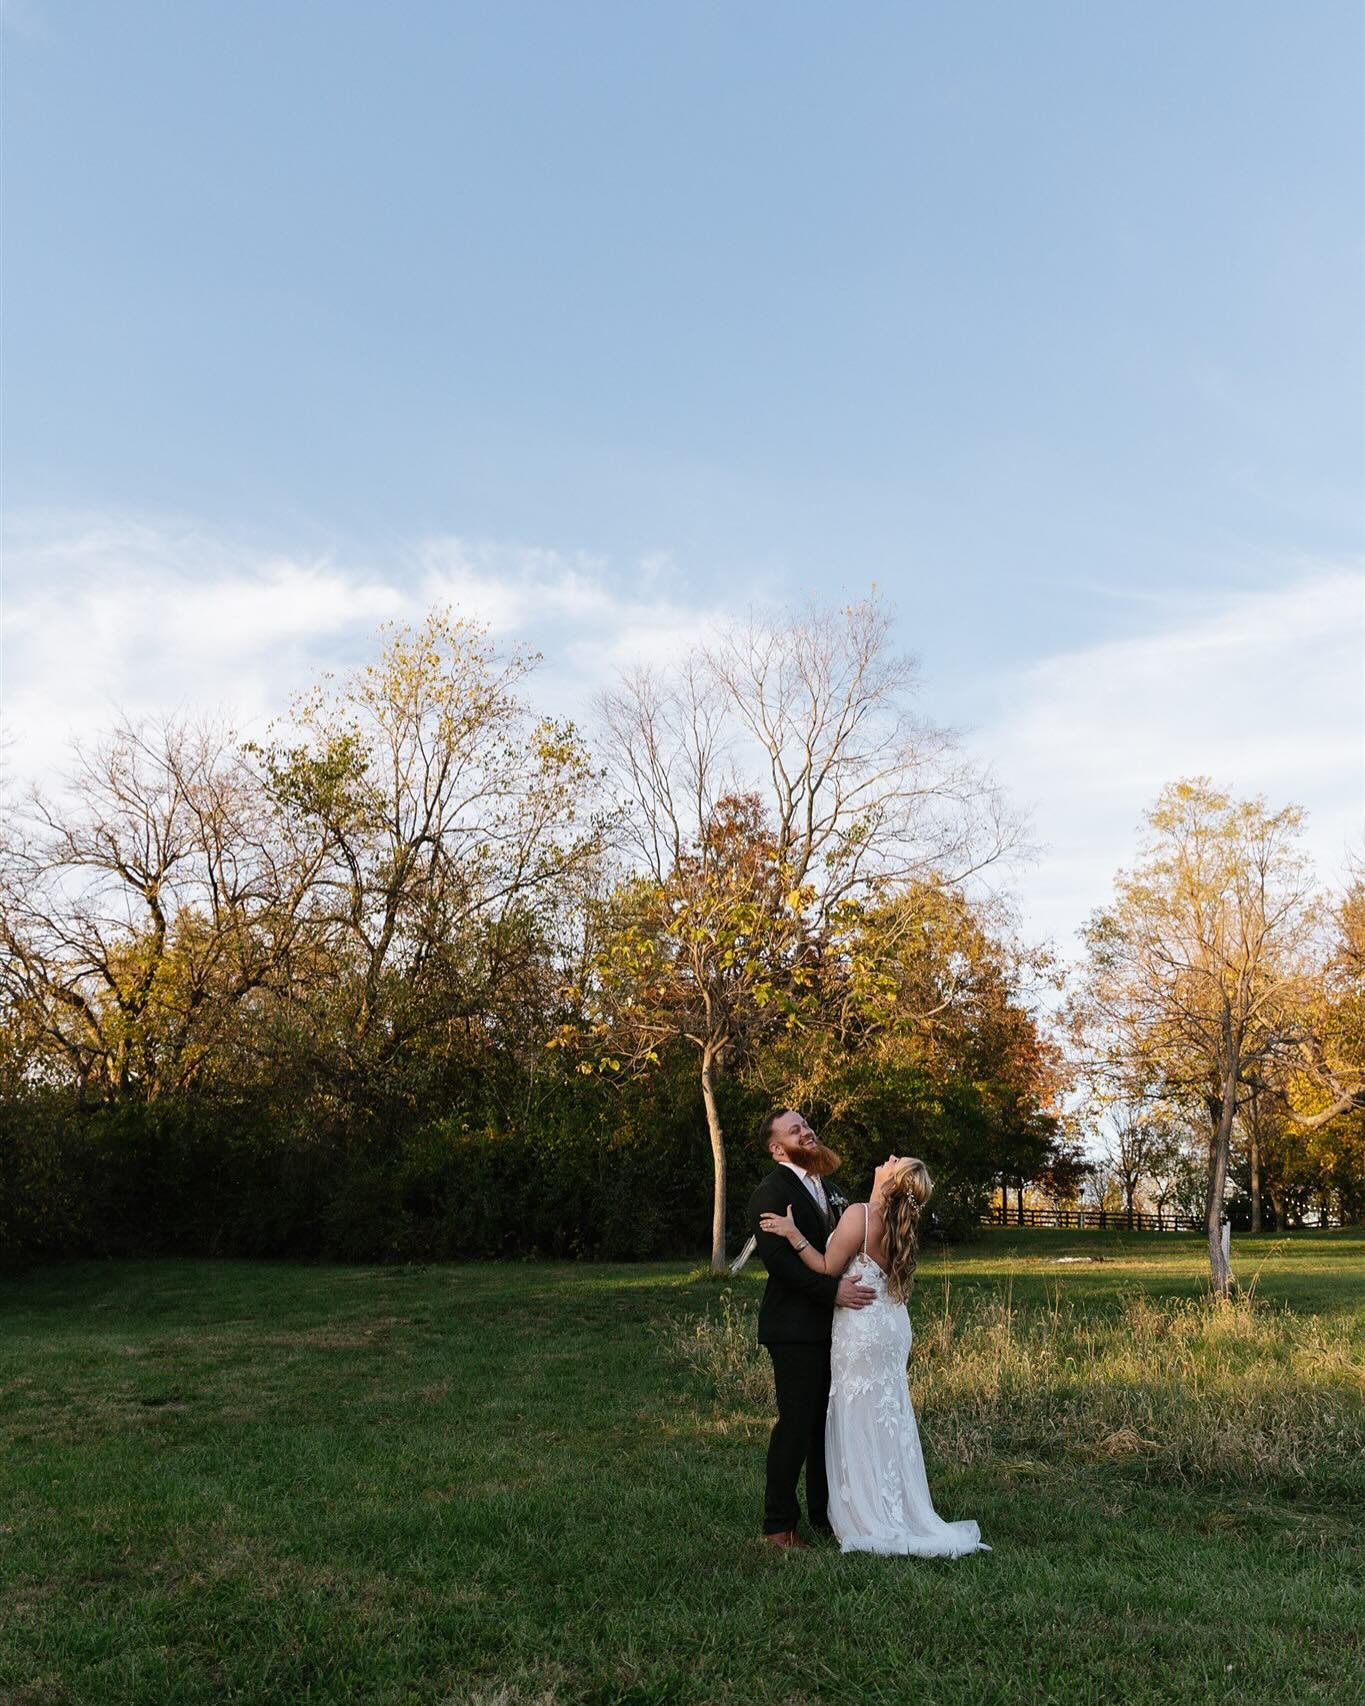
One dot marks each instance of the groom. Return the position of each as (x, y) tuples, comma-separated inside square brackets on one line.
[(795, 1319)]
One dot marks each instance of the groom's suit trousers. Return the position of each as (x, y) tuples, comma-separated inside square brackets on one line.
[(801, 1374)]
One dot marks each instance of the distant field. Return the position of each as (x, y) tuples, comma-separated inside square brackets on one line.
[(1317, 1272), (509, 1484)]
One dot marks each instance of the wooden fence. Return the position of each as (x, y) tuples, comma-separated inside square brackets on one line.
[(1093, 1219)]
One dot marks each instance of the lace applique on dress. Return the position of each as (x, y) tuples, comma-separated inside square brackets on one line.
[(878, 1492)]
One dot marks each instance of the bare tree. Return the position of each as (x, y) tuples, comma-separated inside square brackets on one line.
[(806, 716), (142, 909), (1143, 1143), (861, 790)]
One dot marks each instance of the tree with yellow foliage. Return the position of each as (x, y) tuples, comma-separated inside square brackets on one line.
[(1203, 970)]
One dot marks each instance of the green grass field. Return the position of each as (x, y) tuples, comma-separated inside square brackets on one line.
[(541, 1483)]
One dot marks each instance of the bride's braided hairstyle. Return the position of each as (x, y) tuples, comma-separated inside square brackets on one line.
[(903, 1200)]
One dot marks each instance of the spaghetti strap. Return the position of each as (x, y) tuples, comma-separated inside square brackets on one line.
[(864, 1228)]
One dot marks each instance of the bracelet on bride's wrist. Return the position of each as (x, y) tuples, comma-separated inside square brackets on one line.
[(803, 1245)]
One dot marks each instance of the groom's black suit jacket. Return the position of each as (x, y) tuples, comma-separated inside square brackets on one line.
[(798, 1303)]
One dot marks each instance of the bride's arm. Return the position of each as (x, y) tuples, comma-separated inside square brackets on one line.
[(844, 1242)]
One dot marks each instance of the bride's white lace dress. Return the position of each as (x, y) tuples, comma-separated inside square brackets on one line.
[(878, 1492)]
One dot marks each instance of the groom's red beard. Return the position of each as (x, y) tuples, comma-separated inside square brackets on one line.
[(823, 1162)]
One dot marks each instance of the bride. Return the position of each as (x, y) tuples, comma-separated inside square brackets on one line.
[(878, 1492)]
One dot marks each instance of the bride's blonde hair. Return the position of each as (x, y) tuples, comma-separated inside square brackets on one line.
[(903, 1199)]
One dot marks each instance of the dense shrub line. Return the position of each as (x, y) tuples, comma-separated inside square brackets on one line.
[(227, 1178), (599, 1172)]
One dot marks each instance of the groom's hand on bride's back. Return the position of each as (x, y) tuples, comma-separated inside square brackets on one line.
[(853, 1294)]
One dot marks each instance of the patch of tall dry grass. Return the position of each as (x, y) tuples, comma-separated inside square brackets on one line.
[(1185, 1390)]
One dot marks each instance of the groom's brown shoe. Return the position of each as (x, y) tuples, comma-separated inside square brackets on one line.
[(788, 1540)]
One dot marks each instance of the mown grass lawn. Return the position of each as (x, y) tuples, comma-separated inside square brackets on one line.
[(500, 1484)]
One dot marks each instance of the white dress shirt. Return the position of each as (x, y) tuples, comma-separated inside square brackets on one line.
[(814, 1186)]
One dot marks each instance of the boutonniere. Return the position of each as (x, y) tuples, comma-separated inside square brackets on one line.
[(836, 1199)]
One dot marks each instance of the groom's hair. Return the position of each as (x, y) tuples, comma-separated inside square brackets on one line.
[(765, 1131)]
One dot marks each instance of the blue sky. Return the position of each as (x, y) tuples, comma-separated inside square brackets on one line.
[(1045, 317)]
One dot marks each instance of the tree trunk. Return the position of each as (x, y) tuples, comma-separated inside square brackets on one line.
[(1277, 1205), (708, 1096), (1254, 1159), (1219, 1273)]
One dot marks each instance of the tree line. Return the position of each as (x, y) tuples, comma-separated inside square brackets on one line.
[(422, 973)]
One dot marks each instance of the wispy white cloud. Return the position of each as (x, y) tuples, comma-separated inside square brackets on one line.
[(1264, 692), (107, 615), (588, 621), (114, 614)]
